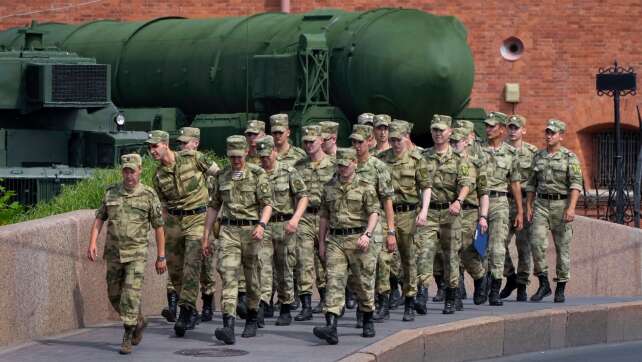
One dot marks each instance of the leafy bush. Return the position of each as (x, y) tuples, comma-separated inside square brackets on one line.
[(8, 209)]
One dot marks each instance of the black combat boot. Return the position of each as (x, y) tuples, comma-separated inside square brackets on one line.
[(306, 308), (480, 296), (544, 289), (368, 326), (384, 308), (172, 305), (449, 301), (319, 307), (409, 309), (250, 324), (194, 320), (329, 332), (521, 293), (268, 311), (351, 303), (439, 297), (421, 299), (226, 333), (395, 293), (462, 286), (260, 317), (459, 305), (359, 316), (241, 305), (493, 297), (511, 284), (208, 307), (285, 318), (559, 293), (126, 346), (184, 321)]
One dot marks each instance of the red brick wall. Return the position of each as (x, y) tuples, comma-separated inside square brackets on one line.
[(565, 43)]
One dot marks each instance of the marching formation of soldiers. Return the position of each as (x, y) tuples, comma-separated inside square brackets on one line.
[(356, 222)]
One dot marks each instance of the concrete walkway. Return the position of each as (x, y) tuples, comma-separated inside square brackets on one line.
[(294, 343)]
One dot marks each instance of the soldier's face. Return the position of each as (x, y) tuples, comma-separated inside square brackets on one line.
[(494, 132), (381, 134), (361, 147), (551, 138), (267, 162), (237, 162), (346, 171), (158, 150), (515, 133), (191, 145), (439, 136), (252, 137), (329, 143), (131, 177), (460, 145), (280, 138), (398, 145), (312, 147)]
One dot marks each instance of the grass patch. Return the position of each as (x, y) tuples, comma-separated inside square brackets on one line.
[(88, 193)]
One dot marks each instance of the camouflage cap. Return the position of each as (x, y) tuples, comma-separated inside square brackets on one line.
[(328, 128), (157, 136), (279, 122), (366, 118), (556, 125), (311, 132), (459, 133), (440, 121), (516, 120), (188, 133), (382, 120), (404, 124), (131, 160), (398, 129), (236, 145), (255, 126), (495, 118), (469, 126), (265, 146), (361, 132), (345, 156)]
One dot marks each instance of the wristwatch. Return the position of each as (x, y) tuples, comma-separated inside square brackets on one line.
[(262, 224), (483, 217), (392, 232), (368, 234), (160, 258)]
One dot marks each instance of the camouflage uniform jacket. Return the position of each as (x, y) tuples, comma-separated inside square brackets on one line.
[(502, 167), (525, 161), (253, 158), (287, 188), (241, 198), (450, 173), (348, 205), (555, 173), (291, 157), (376, 173), (129, 215), (183, 185), (479, 186), (316, 175), (409, 175)]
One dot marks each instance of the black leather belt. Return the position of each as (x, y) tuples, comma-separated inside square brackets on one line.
[(466, 206), (280, 217), (404, 207), (312, 209), (440, 205), (510, 195), (497, 193), (347, 231), (238, 222), (179, 212), (552, 196)]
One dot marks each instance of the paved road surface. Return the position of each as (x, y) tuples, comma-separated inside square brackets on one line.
[(618, 352)]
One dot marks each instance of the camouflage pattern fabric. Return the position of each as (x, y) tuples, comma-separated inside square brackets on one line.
[(291, 156), (124, 288)]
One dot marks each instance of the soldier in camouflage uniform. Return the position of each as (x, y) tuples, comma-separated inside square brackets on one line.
[(452, 178), (376, 172), (280, 130), (255, 129), (557, 180), (329, 133), (180, 182), (411, 182), (503, 176), (289, 197), (243, 195), (474, 211), (381, 125), (525, 152), (129, 209), (349, 215), (316, 169)]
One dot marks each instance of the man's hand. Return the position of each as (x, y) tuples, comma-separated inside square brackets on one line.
[(161, 266), (205, 246), (529, 213), (519, 221), (483, 225), (257, 234), (421, 218), (91, 252), (291, 227), (569, 215), (363, 242), (455, 208), (391, 242)]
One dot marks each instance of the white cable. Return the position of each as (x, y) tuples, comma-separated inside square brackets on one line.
[(51, 9)]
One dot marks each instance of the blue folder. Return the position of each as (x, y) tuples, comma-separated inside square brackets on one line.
[(481, 241)]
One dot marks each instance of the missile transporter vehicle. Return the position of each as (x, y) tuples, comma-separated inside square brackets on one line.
[(57, 121), (327, 64)]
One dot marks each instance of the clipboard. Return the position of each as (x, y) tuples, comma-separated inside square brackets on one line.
[(480, 242)]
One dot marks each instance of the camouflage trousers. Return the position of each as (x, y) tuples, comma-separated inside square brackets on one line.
[(426, 248), (443, 232), (497, 233), (319, 270), (124, 288), (524, 257), (307, 240), (284, 262), (208, 276), (548, 216), (470, 258), (184, 257), (237, 250), (382, 276), (267, 259), (343, 258), (405, 223)]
